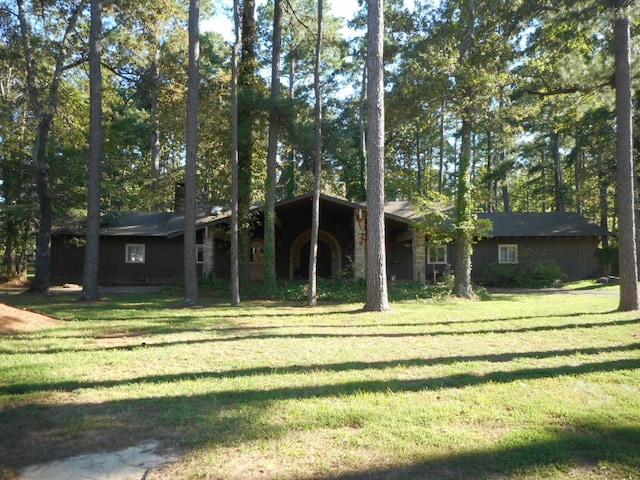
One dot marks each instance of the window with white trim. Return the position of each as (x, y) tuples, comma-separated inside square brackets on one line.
[(437, 255), (134, 253), (508, 253)]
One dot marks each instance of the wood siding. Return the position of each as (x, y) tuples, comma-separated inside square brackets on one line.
[(163, 261), (575, 255)]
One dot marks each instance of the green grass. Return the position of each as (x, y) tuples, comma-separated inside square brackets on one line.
[(538, 386)]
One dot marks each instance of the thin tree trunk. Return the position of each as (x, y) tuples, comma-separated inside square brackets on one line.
[(312, 299), (290, 171), (272, 164), (603, 203), (92, 248), (362, 112), (235, 277), (190, 252), (441, 152), (377, 296), (624, 156), (558, 177), (154, 95)]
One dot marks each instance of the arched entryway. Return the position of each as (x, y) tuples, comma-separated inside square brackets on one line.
[(329, 256)]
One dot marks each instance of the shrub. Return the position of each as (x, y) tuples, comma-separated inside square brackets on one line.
[(533, 270)]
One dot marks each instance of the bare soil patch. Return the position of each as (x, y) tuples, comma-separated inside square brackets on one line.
[(16, 320)]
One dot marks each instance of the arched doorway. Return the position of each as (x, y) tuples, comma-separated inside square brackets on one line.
[(329, 256), (323, 265)]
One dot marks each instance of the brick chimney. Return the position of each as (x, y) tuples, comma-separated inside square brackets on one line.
[(179, 200)]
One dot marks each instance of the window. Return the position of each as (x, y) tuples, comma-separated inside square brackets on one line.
[(134, 253), (508, 253), (199, 253), (437, 254)]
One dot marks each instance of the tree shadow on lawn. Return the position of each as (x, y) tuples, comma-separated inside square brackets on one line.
[(313, 335), (70, 386), (39, 433), (591, 447)]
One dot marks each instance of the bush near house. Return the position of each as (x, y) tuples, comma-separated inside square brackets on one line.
[(533, 270)]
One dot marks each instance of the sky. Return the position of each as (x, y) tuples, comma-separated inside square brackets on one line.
[(223, 24)]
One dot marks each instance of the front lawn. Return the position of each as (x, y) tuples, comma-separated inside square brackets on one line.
[(538, 386)]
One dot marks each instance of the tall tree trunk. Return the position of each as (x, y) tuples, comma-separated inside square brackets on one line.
[(441, 150), (578, 168), (312, 299), (191, 167), (92, 248), (246, 120), (377, 296), (420, 179), (289, 180), (558, 177), (464, 233), (154, 95), (464, 223), (272, 164), (41, 281), (603, 200), (362, 153), (624, 157), (506, 199), (235, 276), (491, 184)]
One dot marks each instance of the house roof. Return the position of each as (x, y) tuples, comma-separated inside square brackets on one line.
[(550, 224), (170, 224), (142, 224)]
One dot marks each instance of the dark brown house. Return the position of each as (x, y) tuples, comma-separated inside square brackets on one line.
[(135, 248), (147, 247)]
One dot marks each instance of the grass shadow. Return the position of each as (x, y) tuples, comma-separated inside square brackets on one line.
[(69, 386), (584, 446), (36, 433)]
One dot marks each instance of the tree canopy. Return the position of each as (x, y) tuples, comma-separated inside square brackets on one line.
[(502, 105)]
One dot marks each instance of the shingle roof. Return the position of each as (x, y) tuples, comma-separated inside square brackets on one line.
[(168, 224), (142, 224), (543, 225)]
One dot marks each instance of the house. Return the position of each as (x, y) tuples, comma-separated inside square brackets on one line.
[(147, 247), (135, 248)]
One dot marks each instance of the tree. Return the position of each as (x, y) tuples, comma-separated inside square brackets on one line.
[(92, 247), (44, 97), (247, 95), (377, 296), (312, 299), (464, 222), (624, 157), (190, 254), (272, 164), (235, 277), (17, 203)]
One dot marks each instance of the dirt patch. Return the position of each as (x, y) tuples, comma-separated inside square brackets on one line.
[(129, 464), (16, 320)]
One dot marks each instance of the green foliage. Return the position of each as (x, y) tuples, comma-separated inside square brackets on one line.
[(329, 291), (608, 258), (533, 270)]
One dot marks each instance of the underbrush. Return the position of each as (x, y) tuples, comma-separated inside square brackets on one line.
[(338, 291)]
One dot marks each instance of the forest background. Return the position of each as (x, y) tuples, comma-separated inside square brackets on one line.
[(533, 92)]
